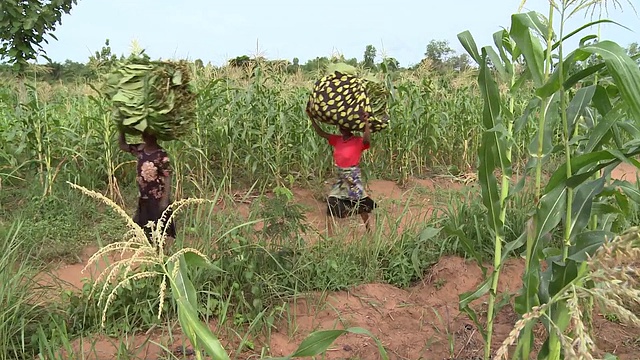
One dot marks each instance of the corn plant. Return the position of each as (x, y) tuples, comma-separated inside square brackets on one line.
[(607, 280), (584, 127)]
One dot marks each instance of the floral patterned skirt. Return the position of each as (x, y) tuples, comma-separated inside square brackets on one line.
[(348, 196)]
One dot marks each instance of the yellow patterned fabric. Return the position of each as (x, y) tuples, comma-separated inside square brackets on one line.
[(342, 100)]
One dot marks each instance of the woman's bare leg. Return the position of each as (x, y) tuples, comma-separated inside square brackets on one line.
[(168, 243), (329, 226), (365, 219)]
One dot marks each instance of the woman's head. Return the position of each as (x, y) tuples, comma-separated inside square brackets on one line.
[(345, 132), (149, 138)]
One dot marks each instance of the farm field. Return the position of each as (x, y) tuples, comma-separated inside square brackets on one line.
[(265, 226), (421, 321), (508, 224)]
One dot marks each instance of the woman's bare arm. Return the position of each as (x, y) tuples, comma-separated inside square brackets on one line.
[(366, 137), (164, 201), (122, 141), (317, 127)]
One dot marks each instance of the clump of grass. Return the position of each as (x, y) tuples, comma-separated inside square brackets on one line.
[(60, 225)]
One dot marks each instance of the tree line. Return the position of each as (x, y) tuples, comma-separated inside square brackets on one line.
[(438, 54), (25, 25)]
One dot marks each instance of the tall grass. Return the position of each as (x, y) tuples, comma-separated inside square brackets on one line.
[(23, 305)]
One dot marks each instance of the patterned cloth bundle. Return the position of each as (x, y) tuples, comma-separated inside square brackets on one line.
[(343, 99)]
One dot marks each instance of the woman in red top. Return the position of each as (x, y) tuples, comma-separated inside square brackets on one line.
[(348, 196)]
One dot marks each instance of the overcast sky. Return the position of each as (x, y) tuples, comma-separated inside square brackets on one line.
[(216, 31)]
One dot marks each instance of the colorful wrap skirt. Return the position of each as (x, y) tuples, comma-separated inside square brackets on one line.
[(348, 196)]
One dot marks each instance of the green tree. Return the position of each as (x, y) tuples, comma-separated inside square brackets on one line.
[(353, 61), (438, 51), (317, 64), (56, 71), (24, 25), (240, 61), (68, 71), (459, 62), (369, 58), (336, 59), (73, 70), (294, 67)]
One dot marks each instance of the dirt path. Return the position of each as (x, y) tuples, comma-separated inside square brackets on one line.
[(422, 322)]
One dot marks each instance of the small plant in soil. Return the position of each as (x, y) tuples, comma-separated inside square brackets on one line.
[(612, 317), (438, 284)]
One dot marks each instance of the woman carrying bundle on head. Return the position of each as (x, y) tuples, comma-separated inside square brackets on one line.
[(154, 183), (352, 103), (348, 196), (153, 99)]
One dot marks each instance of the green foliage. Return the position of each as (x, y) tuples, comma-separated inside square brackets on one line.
[(103, 61), (438, 51), (151, 96), (369, 58), (592, 124), (532, 109), (284, 218), (24, 25), (406, 260), (249, 279), (134, 309), (250, 129), (443, 58), (21, 310)]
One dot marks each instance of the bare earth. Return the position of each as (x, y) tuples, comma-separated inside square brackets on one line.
[(422, 322)]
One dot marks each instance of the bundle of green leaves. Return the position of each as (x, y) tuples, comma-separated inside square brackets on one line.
[(151, 96)]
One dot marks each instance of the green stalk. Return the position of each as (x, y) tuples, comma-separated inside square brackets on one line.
[(554, 342), (594, 218), (497, 265), (526, 345), (106, 138), (593, 223), (545, 103), (504, 193), (506, 179), (493, 293), (567, 146)]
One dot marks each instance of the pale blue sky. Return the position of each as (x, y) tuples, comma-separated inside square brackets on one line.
[(217, 31)]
